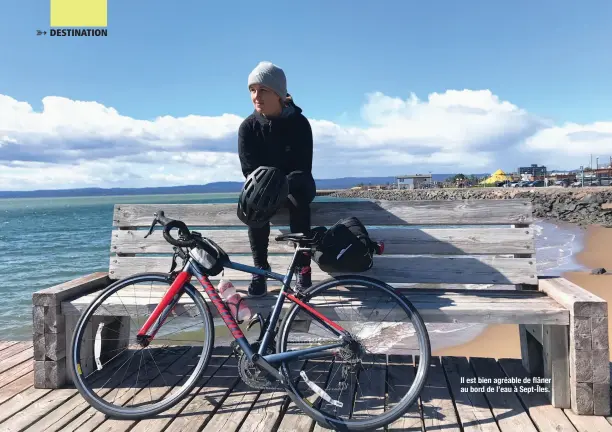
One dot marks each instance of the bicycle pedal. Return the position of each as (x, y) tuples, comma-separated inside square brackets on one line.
[(235, 348)]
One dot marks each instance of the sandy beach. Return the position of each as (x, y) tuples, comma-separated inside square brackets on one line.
[(502, 340)]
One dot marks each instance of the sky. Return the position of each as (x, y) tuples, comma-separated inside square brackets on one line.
[(389, 88)]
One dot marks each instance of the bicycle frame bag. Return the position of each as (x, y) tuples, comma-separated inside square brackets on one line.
[(346, 247), (211, 264)]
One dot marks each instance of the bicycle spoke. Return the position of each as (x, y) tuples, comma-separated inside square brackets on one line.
[(378, 322), (108, 356)]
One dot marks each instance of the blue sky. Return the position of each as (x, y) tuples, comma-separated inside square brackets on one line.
[(550, 59)]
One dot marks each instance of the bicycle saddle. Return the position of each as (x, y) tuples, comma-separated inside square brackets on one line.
[(301, 238)]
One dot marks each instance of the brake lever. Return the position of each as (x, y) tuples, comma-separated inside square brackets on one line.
[(155, 221)]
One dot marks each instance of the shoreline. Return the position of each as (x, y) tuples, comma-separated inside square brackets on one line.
[(502, 340), (580, 206)]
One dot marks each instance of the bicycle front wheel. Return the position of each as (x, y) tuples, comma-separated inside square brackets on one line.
[(124, 379), (371, 382)]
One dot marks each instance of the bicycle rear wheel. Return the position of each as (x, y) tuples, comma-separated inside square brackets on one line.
[(120, 377), (366, 385)]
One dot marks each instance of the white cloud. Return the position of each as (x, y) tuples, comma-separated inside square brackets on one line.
[(83, 143), (573, 142)]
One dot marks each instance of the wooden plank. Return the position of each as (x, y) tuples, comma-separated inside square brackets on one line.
[(56, 419), (56, 294), (175, 375), (555, 353), (90, 419), (589, 352), (545, 416), (15, 372), (531, 351), (433, 307), (438, 408), (506, 407), (20, 400), (573, 297), (465, 295), (587, 423), (472, 407), (16, 386), (6, 344), (294, 419), (36, 410), (370, 212), (220, 356), (267, 410), (74, 407), (534, 330), (154, 293), (18, 358), (233, 410), (207, 399), (370, 388), (449, 241), (400, 377), (402, 269), (341, 394), (14, 350)]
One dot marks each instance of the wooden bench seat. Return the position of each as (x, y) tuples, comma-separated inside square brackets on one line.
[(460, 261), (434, 305)]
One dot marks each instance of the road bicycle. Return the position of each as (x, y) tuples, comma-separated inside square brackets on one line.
[(327, 352)]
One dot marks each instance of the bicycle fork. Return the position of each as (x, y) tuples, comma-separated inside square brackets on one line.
[(157, 318)]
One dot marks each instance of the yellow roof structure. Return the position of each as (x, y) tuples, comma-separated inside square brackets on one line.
[(497, 176)]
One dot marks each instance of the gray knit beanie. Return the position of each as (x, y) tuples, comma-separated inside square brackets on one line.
[(271, 76)]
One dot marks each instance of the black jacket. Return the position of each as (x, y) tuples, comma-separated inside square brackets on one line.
[(284, 142)]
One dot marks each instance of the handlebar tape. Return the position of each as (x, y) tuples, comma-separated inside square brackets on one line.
[(170, 224)]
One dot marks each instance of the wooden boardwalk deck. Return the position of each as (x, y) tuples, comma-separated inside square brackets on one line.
[(221, 401)]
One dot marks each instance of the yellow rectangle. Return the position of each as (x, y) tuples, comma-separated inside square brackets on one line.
[(78, 13)]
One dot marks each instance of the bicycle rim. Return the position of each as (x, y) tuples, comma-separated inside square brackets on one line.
[(164, 372), (384, 401)]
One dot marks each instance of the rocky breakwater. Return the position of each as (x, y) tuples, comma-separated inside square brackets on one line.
[(581, 206)]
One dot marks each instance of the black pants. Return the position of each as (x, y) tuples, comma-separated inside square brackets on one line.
[(299, 222), (302, 190)]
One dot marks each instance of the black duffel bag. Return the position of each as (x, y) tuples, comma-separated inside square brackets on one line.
[(346, 247)]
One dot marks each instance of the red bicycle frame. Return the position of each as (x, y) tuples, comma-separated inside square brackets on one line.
[(154, 322)]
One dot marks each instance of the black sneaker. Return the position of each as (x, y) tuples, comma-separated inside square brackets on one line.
[(258, 286), (304, 277)]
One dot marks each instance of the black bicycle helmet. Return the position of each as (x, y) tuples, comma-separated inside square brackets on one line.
[(264, 192)]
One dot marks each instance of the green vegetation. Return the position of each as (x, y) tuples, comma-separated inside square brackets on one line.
[(472, 179)]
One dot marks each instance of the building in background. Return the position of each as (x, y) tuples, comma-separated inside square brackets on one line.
[(413, 181), (534, 171)]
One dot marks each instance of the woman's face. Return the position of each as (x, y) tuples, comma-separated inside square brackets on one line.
[(265, 101)]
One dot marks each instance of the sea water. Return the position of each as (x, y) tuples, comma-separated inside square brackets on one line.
[(47, 241)]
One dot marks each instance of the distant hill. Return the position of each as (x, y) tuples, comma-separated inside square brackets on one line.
[(215, 187)]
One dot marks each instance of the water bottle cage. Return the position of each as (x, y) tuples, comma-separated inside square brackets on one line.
[(227, 305)]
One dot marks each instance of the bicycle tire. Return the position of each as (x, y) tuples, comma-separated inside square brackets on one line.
[(120, 412), (407, 400)]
